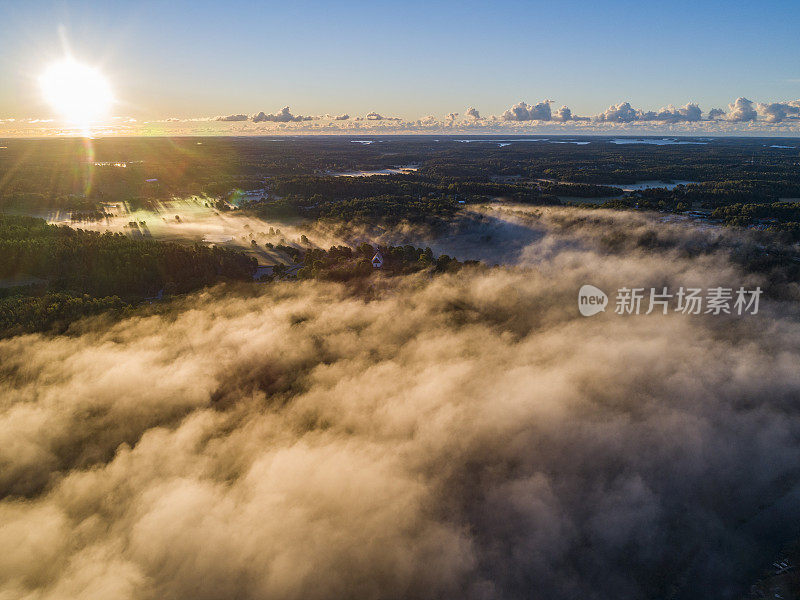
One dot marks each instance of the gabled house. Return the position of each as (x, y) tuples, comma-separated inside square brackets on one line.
[(377, 260)]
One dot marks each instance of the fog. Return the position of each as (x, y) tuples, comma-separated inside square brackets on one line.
[(467, 435), (194, 219)]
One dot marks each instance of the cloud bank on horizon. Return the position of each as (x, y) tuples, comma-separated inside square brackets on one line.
[(741, 110), (740, 116)]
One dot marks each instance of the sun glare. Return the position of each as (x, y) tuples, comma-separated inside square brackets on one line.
[(77, 92)]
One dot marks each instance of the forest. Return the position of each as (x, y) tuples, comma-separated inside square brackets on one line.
[(53, 274), (56, 274), (342, 263), (103, 264), (298, 177)]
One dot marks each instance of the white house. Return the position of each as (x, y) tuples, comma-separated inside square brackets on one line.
[(377, 260)]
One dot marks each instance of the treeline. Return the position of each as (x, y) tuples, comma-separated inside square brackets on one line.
[(36, 202), (389, 199), (343, 263), (714, 194), (734, 203), (722, 193), (50, 276), (777, 216), (411, 184), (390, 208), (602, 163), (745, 214), (579, 190), (782, 217), (107, 264), (53, 311)]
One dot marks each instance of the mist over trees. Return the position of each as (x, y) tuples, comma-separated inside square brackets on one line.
[(299, 440)]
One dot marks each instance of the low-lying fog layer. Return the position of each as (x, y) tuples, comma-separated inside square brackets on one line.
[(463, 436), (194, 219)]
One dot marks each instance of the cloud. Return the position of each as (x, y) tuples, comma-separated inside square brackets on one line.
[(232, 118), (373, 116), (741, 111), (625, 113), (742, 116), (428, 121), (462, 436), (619, 113), (526, 112), (777, 112), (284, 116), (564, 114), (691, 112)]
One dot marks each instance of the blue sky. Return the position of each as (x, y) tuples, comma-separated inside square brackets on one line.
[(193, 59)]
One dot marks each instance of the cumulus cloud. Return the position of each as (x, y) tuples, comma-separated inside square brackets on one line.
[(625, 113), (284, 116), (428, 121), (526, 112), (690, 113), (374, 116), (777, 112), (473, 113), (564, 114), (464, 436), (619, 113), (741, 111), (232, 118)]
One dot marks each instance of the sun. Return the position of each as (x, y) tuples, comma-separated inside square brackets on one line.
[(77, 92)]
